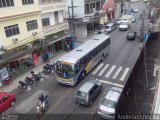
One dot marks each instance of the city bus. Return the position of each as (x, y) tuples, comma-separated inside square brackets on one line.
[(73, 66)]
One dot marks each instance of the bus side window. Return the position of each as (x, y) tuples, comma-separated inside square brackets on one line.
[(77, 68), (92, 54), (95, 51), (103, 45), (82, 62), (89, 56)]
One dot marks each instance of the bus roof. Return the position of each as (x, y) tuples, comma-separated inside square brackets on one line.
[(83, 49)]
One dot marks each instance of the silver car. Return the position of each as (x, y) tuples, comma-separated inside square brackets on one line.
[(88, 92), (107, 108)]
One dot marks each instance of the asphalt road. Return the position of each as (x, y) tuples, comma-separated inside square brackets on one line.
[(123, 54)]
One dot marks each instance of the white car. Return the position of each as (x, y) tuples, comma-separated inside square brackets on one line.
[(124, 26), (134, 10), (107, 108), (145, 1)]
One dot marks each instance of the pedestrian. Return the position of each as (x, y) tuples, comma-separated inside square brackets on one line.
[(68, 47)]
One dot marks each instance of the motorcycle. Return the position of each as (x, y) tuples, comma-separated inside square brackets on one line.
[(48, 68), (41, 107), (24, 86), (37, 77), (29, 80)]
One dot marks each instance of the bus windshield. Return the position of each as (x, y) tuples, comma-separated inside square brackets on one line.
[(64, 70)]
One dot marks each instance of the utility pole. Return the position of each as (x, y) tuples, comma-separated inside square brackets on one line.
[(122, 4), (129, 6), (71, 17), (69, 20), (141, 40)]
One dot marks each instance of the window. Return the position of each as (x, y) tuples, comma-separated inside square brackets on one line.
[(45, 22), (31, 25), (11, 30), (26, 2), (6, 3), (5, 98)]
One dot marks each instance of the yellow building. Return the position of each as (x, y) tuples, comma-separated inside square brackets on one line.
[(20, 23), (31, 32)]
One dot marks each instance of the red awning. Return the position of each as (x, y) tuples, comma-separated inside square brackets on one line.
[(108, 4)]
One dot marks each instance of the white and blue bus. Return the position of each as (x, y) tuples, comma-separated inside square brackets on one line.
[(73, 66)]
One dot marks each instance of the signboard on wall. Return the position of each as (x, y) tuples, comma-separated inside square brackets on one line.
[(4, 73), (35, 58)]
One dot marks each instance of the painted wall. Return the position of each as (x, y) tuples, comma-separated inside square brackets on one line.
[(79, 11), (81, 31), (60, 15), (24, 36), (19, 9), (51, 16)]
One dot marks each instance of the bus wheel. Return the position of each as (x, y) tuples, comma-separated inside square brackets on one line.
[(102, 58), (84, 74)]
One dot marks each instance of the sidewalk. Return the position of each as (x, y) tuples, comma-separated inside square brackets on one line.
[(14, 84)]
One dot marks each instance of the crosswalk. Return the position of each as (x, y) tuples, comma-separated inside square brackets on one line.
[(111, 71)]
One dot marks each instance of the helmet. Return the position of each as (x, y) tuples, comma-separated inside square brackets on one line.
[(32, 72)]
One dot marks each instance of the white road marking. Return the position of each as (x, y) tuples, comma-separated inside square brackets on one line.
[(98, 68), (124, 74), (110, 71), (115, 84), (103, 70), (117, 72)]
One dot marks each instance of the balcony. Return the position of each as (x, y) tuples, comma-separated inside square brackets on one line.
[(55, 28), (52, 5)]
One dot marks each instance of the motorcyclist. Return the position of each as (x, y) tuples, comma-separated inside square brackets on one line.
[(22, 83), (42, 98)]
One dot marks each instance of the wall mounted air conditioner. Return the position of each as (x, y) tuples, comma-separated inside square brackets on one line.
[(43, 41), (34, 33), (15, 40), (29, 46)]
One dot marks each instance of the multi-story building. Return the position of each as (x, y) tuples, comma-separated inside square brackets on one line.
[(52, 16), (29, 32), (20, 22), (86, 13)]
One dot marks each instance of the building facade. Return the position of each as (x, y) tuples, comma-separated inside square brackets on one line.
[(32, 31), (20, 21), (86, 13)]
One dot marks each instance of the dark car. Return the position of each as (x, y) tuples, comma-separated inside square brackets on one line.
[(131, 35), (6, 100)]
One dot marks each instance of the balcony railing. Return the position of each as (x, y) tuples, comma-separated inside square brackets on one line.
[(55, 28), (51, 1), (50, 5)]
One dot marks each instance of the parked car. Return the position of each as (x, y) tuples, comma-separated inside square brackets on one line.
[(131, 35), (6, 100), (119, 21), (88, 92), (102, 31), (146, 1), (108, 106), (133, 19), (134, 10), (110, 27)]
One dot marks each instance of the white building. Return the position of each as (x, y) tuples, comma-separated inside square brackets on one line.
[(86, 13), (52, 16)]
